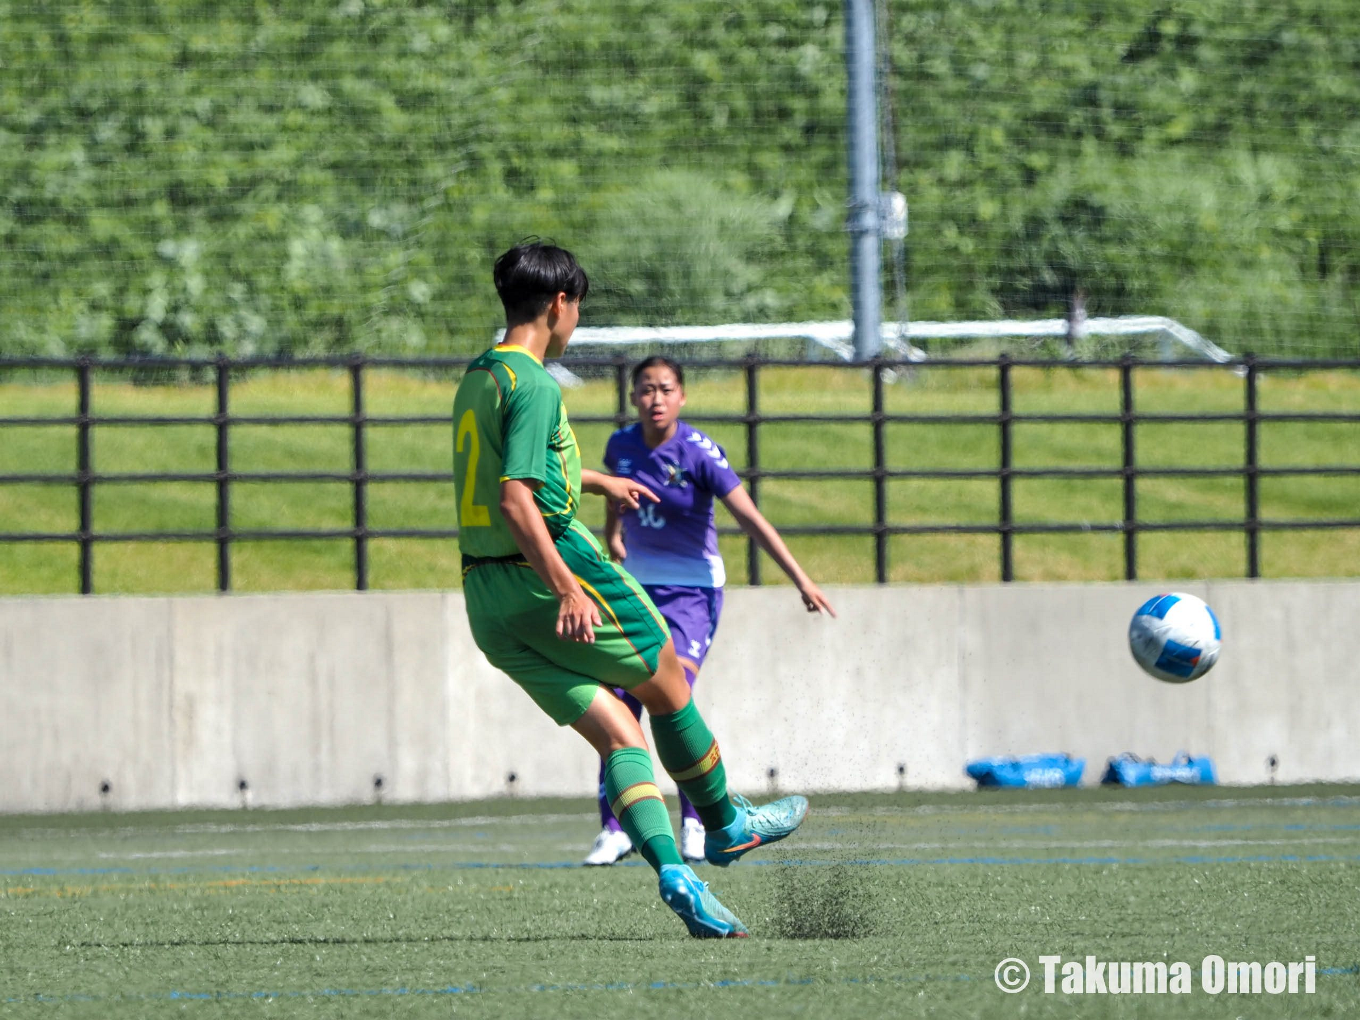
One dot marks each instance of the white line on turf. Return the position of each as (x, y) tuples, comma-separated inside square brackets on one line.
[(231, 828), (802, 844), (311, 851), (1132, 806), (1082, 844), (830, 811)]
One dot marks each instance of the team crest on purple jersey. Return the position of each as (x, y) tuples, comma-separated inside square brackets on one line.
[(675, 541)]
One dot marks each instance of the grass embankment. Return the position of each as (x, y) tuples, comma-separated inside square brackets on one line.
[(409, 563)]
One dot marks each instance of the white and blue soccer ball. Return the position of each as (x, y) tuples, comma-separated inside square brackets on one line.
[(1175, 637)]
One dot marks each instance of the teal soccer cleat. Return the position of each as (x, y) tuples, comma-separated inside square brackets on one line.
[(703, 915), (755, 826)]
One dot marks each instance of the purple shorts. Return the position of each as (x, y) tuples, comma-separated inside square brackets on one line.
[(692, 614)]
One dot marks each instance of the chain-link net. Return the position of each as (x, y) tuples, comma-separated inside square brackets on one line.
[(184, 176)]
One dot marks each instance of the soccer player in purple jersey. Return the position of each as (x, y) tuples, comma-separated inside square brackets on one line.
[(671, 548)]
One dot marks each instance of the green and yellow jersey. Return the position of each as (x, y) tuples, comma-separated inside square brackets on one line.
[(509, 422)]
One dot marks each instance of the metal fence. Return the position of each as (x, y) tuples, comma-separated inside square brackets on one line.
[(85, 478)]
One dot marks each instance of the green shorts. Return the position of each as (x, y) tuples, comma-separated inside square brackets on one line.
[(514, 622)]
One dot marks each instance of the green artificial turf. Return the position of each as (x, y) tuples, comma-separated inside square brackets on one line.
[(881, 906)]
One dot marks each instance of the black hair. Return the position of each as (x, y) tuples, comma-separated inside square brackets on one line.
[(658, 361), (531, 274)]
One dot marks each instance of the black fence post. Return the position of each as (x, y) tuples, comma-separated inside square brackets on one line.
[(360, 476), (1251, 471), (84, 479), (880, 480), (752, 462), (223, 476), (1129, 468), (1004, 474), (620, 392)]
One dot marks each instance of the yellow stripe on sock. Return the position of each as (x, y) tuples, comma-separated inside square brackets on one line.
[(705, 765), (633, 794)]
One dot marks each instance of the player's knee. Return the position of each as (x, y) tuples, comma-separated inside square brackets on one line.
[(667, 691)]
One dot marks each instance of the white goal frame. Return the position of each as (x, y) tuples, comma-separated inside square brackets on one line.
[(897, 338)]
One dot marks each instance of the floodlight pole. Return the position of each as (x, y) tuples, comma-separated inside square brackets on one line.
[(863, 221)]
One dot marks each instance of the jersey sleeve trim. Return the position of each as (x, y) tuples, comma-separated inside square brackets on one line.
[(717, 474)]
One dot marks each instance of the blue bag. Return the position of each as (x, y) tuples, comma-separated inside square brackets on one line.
[(1031, 771), (1130, 770)]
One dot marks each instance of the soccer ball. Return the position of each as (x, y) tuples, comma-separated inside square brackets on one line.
[(1175, 637)]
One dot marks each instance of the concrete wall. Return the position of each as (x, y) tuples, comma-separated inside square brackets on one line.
[(311, 698)]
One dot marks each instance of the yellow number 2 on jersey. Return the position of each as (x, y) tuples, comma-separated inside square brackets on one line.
[(470, 514)]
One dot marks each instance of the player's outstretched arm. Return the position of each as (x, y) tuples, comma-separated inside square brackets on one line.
[(753, 522), (577, 615), (613, 532), (615, 489)]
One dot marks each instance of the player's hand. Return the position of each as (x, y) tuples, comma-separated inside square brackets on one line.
[(627, 493), (618, 552), (577, 617), (814, 599)]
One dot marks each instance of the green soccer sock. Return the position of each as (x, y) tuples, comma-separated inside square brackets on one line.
[(687, 749), (637, 803)]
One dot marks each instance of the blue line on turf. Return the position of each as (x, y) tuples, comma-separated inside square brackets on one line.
[(801, 862), (1276, 827), (616, 986)]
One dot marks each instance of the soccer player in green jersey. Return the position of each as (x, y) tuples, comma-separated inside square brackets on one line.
[(548, 606)]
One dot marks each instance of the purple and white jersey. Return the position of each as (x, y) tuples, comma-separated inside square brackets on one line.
[(674, 541)]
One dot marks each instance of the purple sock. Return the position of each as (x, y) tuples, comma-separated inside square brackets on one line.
[(687, 811)]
